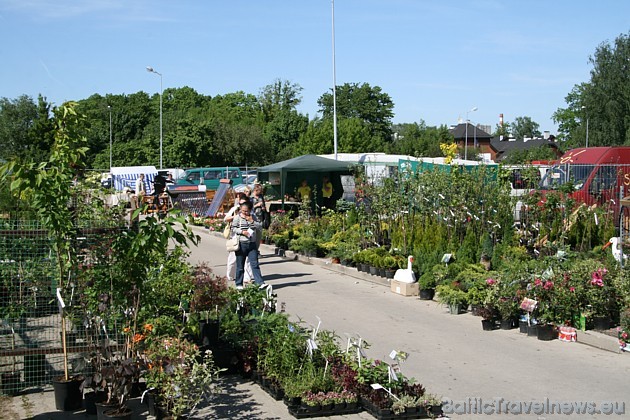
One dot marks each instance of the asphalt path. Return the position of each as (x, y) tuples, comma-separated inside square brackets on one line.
[(449, 354)]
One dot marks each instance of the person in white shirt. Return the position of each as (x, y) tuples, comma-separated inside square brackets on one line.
[(140, 191)]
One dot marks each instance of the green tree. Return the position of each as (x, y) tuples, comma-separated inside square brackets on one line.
[(502, 130), (604, 100), (523, 127), (26, 129), (369, 104), (354, 137), (49, 186), (416, 139), (283, 124)]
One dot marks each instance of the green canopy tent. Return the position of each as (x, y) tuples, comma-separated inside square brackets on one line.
[(290, 173)]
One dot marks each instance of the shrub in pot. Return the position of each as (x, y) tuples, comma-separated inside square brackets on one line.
[(405, 404), (427, 284), (390, 264), (453, 297)]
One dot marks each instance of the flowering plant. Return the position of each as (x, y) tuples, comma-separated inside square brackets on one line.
[(599, 293)]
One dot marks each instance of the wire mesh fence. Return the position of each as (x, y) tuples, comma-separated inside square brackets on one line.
[(31, 352)]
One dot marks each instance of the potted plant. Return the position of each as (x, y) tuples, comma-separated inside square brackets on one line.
[(453, 297), (390, 264), (478, 294), (119, 374), (600, 297), (179, 374), (351, 399), (312, 402), (433, 404), (507, 307), (405, 404), (427, 284), (488, 314), (51, 189)]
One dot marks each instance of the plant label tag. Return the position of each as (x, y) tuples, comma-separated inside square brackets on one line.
[(393, 355), (312, 345), (392, 374), (60, 299)]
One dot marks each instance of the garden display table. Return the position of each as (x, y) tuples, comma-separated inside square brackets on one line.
[(288, 205)]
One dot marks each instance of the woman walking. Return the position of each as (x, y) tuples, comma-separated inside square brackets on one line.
[(231, 260), (245, 227)]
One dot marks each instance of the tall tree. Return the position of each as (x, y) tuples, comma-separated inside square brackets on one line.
[(524, 127), (283, 124), (364, 102), (26, 129), (502, 130), (280, 95), (603, 101)]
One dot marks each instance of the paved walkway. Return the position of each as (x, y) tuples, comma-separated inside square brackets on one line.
[(450, 355)]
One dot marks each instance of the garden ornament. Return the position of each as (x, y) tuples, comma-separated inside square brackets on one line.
[(406, 275)]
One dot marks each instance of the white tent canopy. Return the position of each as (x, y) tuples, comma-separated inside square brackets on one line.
[(125, 176)]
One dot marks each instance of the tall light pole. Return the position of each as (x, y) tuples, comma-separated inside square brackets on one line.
[(151, 70), (334, 82), (473, 109), (110, 138), (584, 109)]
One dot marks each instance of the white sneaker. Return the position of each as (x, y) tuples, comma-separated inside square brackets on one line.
[(263, 286), (239, 287)]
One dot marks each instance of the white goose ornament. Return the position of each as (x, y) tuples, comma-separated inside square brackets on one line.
[(406, 275)]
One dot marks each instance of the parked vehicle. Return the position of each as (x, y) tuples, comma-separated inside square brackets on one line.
[(210, 177), (524, 179), (598, 175)]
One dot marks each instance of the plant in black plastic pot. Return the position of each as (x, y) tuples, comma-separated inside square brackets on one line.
[(120, 375), (427, 284)]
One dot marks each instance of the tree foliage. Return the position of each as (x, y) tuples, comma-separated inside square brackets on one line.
[(416, 139), (26, 130), (366, 103), (523, 127), (236, 128), (604, 100)]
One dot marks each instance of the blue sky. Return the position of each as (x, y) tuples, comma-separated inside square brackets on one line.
[(435, 58)]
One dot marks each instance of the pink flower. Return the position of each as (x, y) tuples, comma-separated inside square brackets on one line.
[(548, 285), (572, 289), (597, 282), (490, 282), (538, 282)]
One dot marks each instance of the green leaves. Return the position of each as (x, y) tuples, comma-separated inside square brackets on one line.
[(604, 100)]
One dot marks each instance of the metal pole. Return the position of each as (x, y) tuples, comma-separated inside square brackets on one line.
[(110, 138), (586, 131), (152, 70), (334, 81), (161, 132), (466, 142)]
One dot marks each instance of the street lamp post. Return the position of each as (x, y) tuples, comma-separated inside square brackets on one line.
[(473, 109), (151, 70), (110, 138), (334, 82), (584, 109)]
